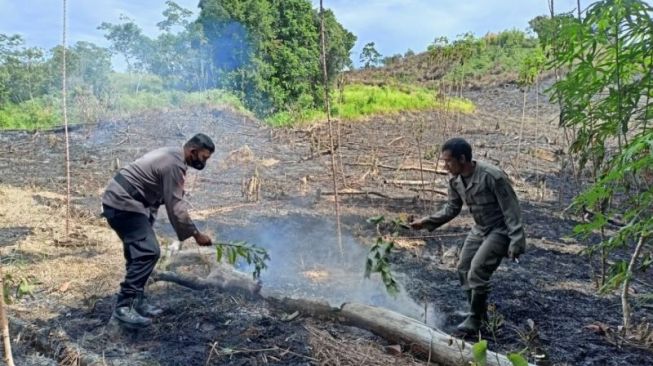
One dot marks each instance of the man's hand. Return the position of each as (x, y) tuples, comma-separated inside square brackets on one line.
[(422, 223), (513, 257), (202, 239), (417, 224), (515, 250)]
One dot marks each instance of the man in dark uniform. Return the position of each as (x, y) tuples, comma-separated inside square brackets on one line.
[(498, 231), (130, 204)]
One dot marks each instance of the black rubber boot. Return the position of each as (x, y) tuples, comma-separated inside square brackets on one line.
[(130, 318), (145, 309), (474, 321), (467, 312)]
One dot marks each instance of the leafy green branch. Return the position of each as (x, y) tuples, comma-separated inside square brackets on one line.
[(378, 258), (252, 254), (605, 98), (378, 262)]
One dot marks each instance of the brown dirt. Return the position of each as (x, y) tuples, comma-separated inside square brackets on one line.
[(73, 279)]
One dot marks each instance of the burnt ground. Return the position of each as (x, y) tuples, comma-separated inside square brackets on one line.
[(71, 281)]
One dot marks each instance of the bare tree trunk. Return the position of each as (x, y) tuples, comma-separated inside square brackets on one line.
[(625, 305), (6, 339)]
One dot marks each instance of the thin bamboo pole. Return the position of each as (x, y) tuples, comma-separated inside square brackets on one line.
[(328, 113), (65, 120), (4, 323)]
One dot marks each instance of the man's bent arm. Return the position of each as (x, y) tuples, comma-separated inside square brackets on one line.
[(450, 210), (176, 207)]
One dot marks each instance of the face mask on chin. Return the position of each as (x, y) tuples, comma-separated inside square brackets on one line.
[(199, 165), (196, 163)]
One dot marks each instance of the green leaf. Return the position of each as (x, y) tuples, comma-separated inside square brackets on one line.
[(232, 255), (517, 359), (241, 249), (376, 219), (24, 288), (218, 252), (6, 291), (479, 351)]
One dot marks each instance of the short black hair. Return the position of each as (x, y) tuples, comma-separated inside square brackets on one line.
[(200, 141), (458, 147)]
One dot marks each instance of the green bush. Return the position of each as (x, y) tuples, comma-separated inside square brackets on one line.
[(495, 54), (34, 114)]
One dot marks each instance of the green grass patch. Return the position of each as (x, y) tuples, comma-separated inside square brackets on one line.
[(31, 115), (46, 112), (361, 101)]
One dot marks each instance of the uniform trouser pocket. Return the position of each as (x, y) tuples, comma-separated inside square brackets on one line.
[(140, 249)]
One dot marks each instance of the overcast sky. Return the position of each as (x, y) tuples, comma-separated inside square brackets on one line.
[(394, 25)]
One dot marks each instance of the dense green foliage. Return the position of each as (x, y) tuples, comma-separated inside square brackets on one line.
[(269, 51), (265, 51), (475, 57), (30, 81), (605, 98), (27, 73)]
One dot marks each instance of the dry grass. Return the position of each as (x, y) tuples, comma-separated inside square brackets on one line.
[(81, 267), (331, 351)]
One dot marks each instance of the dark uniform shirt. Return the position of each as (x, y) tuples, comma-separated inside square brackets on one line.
[(159, 177)]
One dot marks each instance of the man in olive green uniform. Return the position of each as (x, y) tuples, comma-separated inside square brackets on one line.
[(498, 231)]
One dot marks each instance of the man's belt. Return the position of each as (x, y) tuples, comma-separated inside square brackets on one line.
[(130, 189)]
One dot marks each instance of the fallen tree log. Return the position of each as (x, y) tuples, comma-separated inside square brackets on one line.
[(419, 338), (220, 276), (422, 340), (220, 280)]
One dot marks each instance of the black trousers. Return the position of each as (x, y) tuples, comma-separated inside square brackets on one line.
[(140, 248)]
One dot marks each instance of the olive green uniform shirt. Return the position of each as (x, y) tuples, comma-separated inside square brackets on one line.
[(491, 201)]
